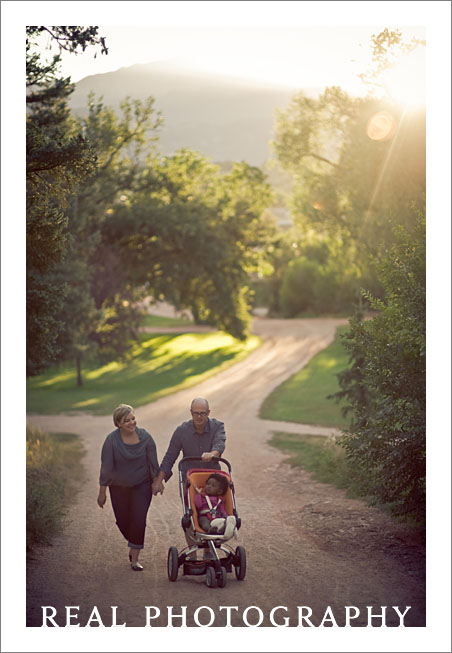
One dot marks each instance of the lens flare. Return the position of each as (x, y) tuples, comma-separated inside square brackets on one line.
[(381, 126), (405, 82)]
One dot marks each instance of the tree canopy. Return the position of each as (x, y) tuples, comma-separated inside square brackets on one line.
[(358, 166), (351, 180), (190, 235), (58, 159), (110, 221)]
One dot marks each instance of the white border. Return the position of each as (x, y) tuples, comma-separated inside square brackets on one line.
[(436, 17)]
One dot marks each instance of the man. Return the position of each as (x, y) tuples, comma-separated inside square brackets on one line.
[(201, 436)]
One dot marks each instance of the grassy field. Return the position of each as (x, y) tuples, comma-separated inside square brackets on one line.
[(302, 398), (159, 364), (159, 321), (54, 471), (317, 454)]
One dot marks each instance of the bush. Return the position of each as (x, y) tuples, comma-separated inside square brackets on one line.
[(297, 288), (319, 284), (386, 385), (53, 465)]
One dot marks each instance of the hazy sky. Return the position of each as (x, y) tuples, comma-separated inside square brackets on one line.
[(296, 56), (295, 44)]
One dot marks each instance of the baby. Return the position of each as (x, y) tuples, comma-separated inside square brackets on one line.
[(212, 515)]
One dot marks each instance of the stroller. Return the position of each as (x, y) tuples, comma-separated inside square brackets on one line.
[(215, 567)]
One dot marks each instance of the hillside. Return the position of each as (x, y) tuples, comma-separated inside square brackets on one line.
[(225, 118)]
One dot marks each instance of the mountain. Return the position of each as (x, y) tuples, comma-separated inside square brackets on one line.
[(225, 118)]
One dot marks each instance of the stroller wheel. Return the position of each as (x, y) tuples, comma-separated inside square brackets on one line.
[(240, 563), (173, 563), (211, 580), (223, 578)]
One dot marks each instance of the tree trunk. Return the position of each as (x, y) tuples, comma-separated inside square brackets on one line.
[(78, 360), (195, 313)]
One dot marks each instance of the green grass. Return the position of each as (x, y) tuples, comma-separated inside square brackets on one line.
[(159, 364), (302, 398), (54, 471), (158, 321), (317, 454)]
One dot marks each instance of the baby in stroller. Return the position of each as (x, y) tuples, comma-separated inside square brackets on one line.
[(212, 515), (209, 520)]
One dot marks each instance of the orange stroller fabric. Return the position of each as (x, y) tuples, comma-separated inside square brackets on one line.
[(199, 478)]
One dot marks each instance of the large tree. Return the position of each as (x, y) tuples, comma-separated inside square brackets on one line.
[(358, 164), (58, 159), (350, 180), (93, 313), (191, 235), (172, 227)]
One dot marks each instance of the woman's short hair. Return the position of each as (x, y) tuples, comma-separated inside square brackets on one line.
[(120, 412)]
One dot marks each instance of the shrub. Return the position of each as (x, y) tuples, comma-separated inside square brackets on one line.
[(386, 385), (317, 283), (296, 293)]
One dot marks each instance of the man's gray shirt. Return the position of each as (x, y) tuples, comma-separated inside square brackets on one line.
[(186, 439)]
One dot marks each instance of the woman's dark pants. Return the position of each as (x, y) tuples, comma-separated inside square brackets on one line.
[(130, 505)]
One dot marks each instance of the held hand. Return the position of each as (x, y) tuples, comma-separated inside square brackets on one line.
[(101, 499), (157, 487), (207, 456)]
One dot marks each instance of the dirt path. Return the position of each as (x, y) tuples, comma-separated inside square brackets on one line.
[(306, 543)]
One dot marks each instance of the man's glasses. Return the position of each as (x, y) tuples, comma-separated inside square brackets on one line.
[(198, 414)]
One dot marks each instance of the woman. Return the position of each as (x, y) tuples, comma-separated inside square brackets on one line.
[(129, 464)]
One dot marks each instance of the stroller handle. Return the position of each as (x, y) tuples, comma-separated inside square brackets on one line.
[(216, 459)]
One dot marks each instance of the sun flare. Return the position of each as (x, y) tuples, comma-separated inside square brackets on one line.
[(381, 126), (405, 81)]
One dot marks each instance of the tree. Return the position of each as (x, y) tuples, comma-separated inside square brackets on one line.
[(358, 164), (387, 48), (386, 386), (77, 315), (321, 278), (191, 235), (346, 182), (58, 159), (171, 227), (141, 224), (94, 314)]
